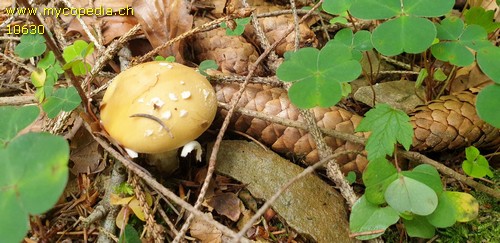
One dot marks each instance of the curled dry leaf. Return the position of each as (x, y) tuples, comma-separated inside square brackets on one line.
[(204, 231), (162, 20)]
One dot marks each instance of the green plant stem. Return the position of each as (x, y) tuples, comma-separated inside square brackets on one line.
[(448, 80), (53, 47)]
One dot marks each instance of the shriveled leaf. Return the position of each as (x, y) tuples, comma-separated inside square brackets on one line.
[(205, 232), (162, 21)]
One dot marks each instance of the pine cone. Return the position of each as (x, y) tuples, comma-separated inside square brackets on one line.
[(233, 54), (451, 122), (289, 140)]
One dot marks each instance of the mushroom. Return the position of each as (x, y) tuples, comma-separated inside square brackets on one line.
[(158, 107)]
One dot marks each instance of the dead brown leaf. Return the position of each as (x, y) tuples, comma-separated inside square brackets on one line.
[(204, 231), (112, 26), (162, 20), (85, 154), (227, 204)]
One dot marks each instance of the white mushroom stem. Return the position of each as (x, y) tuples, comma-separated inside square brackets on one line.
[(189, 147)]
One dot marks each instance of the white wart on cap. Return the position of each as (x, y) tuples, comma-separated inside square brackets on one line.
[(157, 107)]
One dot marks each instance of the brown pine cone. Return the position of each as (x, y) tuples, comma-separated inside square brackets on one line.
[(289, 140), (233, 54), (451, 122), (274, 27)]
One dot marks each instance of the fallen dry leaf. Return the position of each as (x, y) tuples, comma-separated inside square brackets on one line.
[(162, 20), (85, 153), (227, 204), (204, 231), (112, 26)]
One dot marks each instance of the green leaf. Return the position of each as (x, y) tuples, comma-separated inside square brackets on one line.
[(427, 8), (47, 61), (488, 61), (457, 48), (374, 9), (428, 175), (466, 206), (388, 126), (167, 59), (476, 165), (366, 216), (378, 175), (439, 75), (487, 104), (65, 99), (421, 76), (351, 177), (445, 214), (130, 235), (408, 195), (361, 41), (404, 34), (30, 46), (207, 64), (317, 74), (340, 20), (33, 174), (336, 6), (75, 54), (38, 77), (482, 17), (419, 227), (14, 119), (240, 26)]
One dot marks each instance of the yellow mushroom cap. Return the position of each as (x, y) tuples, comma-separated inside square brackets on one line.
[(141, 96)]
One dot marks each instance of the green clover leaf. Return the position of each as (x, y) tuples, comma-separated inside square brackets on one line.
[(317, 75), (65, 99), (31, 46)]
